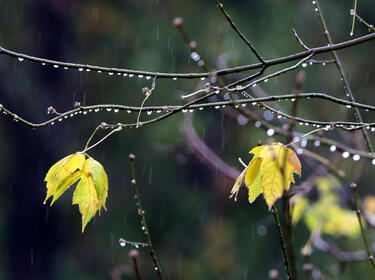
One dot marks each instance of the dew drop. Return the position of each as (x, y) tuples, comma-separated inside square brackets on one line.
[(99, 71), (200, 63), (109, 109), (279, 116), (195, 56), (313, 2), (140, 76), (136, 245), (97, 110), (158, 111), (332, 148), (110, 73), (254, 85), (88, 70), (122, 242), (316, 10), (270, 132), (266, 80), (66, 68), (203, 78), (317, 143), (131, 75), (295, 139), (217, 107), (148, 77), (184, 110), (20, 58), (149, 112), (373, 162), (304, 64), (299, 151), (348, 106), (241, 120), (345, 154), (55, 66), (125, 74), (43, 63), (253, 103), (257, 124), (80, 69), (174, 79), (84, 112), (116, 110), (191, 110), (356, 157), (128, 111), (323, 64), (304, 143)]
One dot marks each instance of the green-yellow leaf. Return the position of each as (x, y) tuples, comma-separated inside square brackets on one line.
[(61, 170), (270, 172), (92, 190)]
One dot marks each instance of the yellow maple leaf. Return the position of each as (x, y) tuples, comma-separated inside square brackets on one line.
[(92, 190), (270, 172)]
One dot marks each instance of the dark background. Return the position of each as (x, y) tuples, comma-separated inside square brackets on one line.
[(198, 232)]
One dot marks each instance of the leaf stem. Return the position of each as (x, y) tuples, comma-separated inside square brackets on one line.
[(141, 213), (101, 140), (282, 242)]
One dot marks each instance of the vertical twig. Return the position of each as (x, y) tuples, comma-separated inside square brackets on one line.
[(358, 212), (354, 16), (343, 76), (282, 242), (134, 254), (141, 213), (247, 42)]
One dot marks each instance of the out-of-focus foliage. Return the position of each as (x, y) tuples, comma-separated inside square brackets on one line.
[(326, 214)]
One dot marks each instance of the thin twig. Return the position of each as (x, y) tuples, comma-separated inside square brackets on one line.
[(232, 24), (148, 74), (361, 20), (358, 212), (343, 76), (354, 13), (282, 241), (299, 40), (141, 213)]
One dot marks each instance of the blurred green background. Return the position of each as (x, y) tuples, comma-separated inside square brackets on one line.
[(198, 233)]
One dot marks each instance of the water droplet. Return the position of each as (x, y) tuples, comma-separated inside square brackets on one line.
[(109, 109), (128, 111), (88, 70), (203, 78), (52, 123), (279, 116), (293, 99), (20, 58), (110, 73), (373, 162), (131, 75), (158, 111), (200, 63), (43, 63), (304, 143), (97, 110), (136, 245), (313, 2), (254, 85), (304, 64), (55, 66), (148, 77), (323, 64), (244, 105), (184, 110), (217, 91), (316, 10), (143, 228), (253, 103), (174, 79), (125, 74), (356, 157), (195, 56), (257, 124), (116, 110), (66, 68), (80, 69), (317, 143), (149, 112), (266, 80), (300, 151), (200, 108), (140, 76), (270, 132), (84, 112), (332, 148), (217, 107), (348, 106), (295, 139), (345, 154), (122, 242), (191, 110)]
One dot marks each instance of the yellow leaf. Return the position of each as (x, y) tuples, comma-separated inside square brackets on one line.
[(92, 190), (61, 170), (278, 164), (270, 172)]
